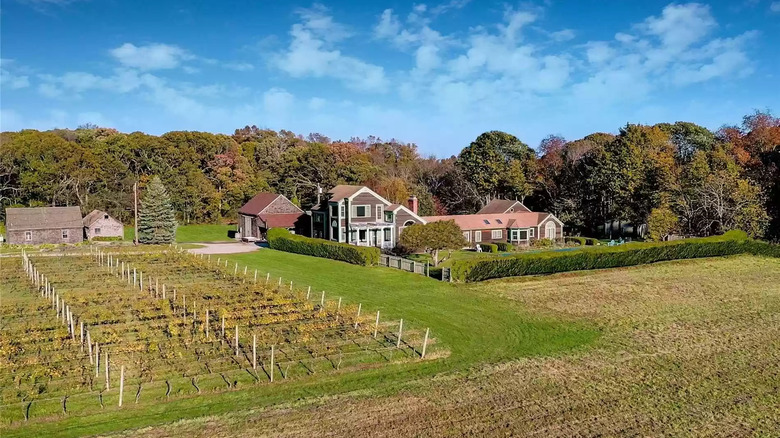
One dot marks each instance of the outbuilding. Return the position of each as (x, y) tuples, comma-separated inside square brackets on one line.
[(98, 223), (38, 225)]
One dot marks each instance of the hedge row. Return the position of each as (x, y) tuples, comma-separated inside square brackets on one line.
[(488, 247), (609, 257), (582, 241), (282, 240), (505, 247)]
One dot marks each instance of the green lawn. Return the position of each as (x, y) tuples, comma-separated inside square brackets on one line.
[(196, 233), (474, 327)]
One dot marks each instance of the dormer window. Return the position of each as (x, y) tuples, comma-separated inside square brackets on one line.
[(498, 221), (487, 222)]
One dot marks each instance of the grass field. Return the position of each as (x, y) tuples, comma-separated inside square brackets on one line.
[(196, 233), (678, 348), (690, 348)]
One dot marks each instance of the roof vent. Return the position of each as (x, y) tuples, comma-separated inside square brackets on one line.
[(487, 222)]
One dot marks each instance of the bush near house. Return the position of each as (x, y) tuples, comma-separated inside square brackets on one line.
[(731, 243), (282, 240), (488, 247), (505, 247), (576, 240)]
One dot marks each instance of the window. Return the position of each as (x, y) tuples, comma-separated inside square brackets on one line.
[(362, 234), (496, 234), (97, 231), (318, 218), (343, 235), (467, 235), (64, 234), (478, 236), (28, 236), (362, 210), (549, 230), (408, 223), (498, 221), (387, 234), (487, 222), (523, 234), (530, 232), (334, 210), (343, 211), (352, 235), (105, 216), (380, 211), (388, 216)]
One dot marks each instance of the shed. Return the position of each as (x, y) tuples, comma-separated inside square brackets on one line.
[(265, 211), (98, 223), (39, 225)]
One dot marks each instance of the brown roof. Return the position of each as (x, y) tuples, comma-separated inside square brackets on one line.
[(342, 191), (43, 218), (492, 221), (501, 206), (93, 216), (258, 203), (280, 220)]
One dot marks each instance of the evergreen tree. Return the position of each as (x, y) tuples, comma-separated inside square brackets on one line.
[(156, 219)]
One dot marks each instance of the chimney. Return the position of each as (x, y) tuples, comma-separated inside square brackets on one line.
[(413, 204)]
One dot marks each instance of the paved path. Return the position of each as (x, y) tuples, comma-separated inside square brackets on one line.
[(224, 248)]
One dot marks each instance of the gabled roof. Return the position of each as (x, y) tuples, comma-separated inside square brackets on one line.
[(343, 191), (493, 221), (43, 218), (503, 206), (280, 220), (93, 216), (260, 202), (395, 207)]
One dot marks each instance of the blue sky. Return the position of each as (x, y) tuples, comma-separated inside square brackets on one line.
[(436, 74)]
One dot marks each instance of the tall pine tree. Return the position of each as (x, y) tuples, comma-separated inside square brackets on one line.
[(156, 219)]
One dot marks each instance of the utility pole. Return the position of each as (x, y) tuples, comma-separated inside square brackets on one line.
[(135, 202)]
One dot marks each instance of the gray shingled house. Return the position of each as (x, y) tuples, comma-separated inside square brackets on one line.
[(98, 223), (34, 226)]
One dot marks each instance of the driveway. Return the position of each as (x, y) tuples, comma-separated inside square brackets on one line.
[(225, 248)]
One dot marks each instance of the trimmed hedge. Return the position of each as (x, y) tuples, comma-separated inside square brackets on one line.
[(489, 247), (582, 241), (603, 257), (282, 240), (505, 247)]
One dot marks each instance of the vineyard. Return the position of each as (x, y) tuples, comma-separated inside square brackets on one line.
[(87, 331)]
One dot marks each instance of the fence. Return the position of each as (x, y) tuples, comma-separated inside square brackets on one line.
[(403, 264)]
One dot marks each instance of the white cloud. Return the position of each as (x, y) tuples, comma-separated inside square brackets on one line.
[(679, 26), (774, 6), (562, 35), (278, 100), (13, 81), (311, 54), (599, 52), (150, 57)]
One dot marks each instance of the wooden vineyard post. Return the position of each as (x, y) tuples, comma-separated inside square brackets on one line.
[(308, 292), (235, 270), (174, 295), (272, 364), (97, 360), (400, 330), (107, 385), (226, 263), (219, 260), (156, 287), (254, 351), (134, 278), (72, 327), (184, 305), (338, 308), (89, 344), (81, 338), (267, 277), (121, 383), (236, 340), (360, 305), (245, 267), (141, 280), (280, 282), (163, 291), (322, 301), (255, 276), (223, 327), (425, 343), (376, 324), (207, 324), (123, 271)]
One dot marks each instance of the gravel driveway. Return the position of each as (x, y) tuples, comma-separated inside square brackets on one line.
[(225, 248)]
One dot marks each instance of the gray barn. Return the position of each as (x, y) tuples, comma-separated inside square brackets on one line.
[(34, 226)]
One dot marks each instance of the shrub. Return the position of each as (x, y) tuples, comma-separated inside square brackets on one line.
[(576, 240), (591, 241), (488, 247), (107, 239), (505, 247), (543, 243), (281, 239), (629, 254)]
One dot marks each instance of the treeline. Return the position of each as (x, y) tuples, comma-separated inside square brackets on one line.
[(679, 178)]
